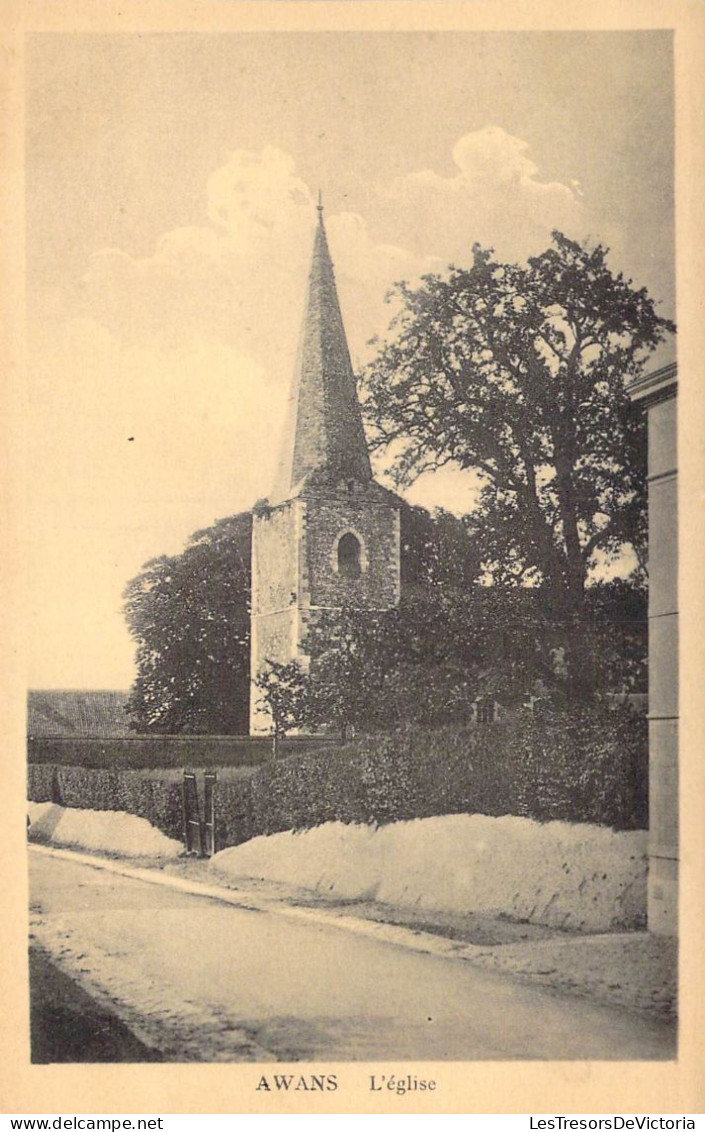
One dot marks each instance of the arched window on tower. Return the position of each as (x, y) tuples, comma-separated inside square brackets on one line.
[(349, 557)]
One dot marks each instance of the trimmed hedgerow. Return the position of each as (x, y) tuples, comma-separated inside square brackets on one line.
[(588, 765), (152, 795), (84, 788), (233, 812), (148, 751)]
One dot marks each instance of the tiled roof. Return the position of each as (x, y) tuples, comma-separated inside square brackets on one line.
[(56, 714)]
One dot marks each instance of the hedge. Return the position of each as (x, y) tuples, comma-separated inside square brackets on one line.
[(589, 765), (159, 800), (84, 788), (194, 751)]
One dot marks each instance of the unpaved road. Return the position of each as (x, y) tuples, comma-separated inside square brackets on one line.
[(200, 980), (68, 1025)]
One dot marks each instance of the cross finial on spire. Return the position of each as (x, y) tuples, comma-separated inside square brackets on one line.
[(319, 206)]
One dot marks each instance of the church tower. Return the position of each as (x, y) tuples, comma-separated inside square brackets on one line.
[(329, 535)]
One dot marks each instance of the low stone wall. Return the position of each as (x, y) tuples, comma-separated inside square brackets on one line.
[(99, 830), (578, 877)]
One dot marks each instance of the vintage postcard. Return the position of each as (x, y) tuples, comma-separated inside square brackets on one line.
[(354, 420)]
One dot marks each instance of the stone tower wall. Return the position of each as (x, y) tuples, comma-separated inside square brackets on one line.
[(295, 572), (275, 595), (275, 558), (376, 526)]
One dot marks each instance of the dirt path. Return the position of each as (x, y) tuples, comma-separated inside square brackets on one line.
[(67, 1025), (203, 980), (637, 971)]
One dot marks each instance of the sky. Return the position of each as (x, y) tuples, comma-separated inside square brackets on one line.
[(171, 189)]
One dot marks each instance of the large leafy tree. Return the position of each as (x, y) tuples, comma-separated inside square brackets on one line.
[(425, 661), (519, 372), (428, 660), (189, 615), (438, 550)]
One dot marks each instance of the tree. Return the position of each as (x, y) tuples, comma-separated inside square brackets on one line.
[(347, 650), (283, 689), (424, 662), (189, 615), (616, 633), (519, 372), (429, 660), (437, 549)]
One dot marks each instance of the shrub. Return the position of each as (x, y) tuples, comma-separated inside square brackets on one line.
[(586, 765), (154, 795)]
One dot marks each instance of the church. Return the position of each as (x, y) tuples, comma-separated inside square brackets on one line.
[(329, 535)]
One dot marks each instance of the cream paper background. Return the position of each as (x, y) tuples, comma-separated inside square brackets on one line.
[(564, 1087)]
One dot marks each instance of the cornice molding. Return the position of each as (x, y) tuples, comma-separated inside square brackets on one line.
[(659, 385)]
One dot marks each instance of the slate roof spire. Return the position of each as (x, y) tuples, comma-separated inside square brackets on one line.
[(324, 442)]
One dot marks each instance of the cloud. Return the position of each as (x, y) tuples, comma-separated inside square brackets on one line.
[(366, 272), (242, 280), (255, 192), (495, 197), (191, 349), (494, 156), (193, 346)]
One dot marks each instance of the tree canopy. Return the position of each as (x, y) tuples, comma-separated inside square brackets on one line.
[(519, 372), (437, 549), (190, 616), (419, 662), (431, 658), (448, 642)]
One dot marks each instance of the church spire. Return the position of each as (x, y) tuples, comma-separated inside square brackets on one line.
[(324, 440)]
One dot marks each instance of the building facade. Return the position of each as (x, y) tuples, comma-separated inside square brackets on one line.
[(656, 393), (329, 536)]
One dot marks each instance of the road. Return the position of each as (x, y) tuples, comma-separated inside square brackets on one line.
[(201, 980), (68, 1025)]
